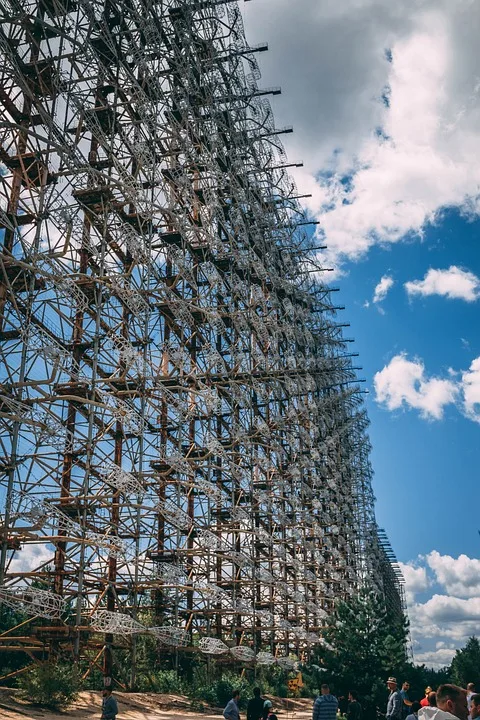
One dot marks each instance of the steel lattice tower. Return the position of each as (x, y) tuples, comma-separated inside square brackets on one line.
[(181, 426)]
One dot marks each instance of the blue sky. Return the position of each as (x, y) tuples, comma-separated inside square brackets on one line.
[(418, 461), (385, 103)]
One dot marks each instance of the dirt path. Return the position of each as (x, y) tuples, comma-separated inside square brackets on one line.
[(136, 706)]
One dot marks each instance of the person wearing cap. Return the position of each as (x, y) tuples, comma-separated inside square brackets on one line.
[(424, 701), (395, 701), (267, 706), (271, 714)]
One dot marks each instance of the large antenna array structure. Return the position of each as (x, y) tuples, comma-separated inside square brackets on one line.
[(181, 428)]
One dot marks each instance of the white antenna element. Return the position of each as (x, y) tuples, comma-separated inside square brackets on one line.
[(172, 636), (265, 658), (122, 412), (33, 601), (120, 479), (285, 663), (171, 573), (212, 646), (116, 623), (175, 515), (243, 653)]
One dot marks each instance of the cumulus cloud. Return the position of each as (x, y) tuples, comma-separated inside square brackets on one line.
[(435, 658), (447, 609), (416, 580), (453, 283), (448, 618), (31, 557), (390, 138), (443, 622), (404, 382), (471, 390), (382, 288), (459, 576)]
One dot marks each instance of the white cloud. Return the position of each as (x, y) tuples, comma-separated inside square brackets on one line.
[(30, 557), (435, 658), (459, 576), (382, 288), (453, 283), (416, 580), (471, 390), (376, 186), (417, 165), (445, 609), (403, 383), (445, 621)]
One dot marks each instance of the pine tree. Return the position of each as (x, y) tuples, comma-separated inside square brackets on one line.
[(466, 664), (368, 646)]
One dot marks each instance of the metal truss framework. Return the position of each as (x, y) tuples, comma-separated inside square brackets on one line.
[(180, 420)]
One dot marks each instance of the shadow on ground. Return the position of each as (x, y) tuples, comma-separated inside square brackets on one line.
[(136, 706)]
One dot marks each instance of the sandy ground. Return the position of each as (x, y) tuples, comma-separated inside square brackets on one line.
[(137, 706)]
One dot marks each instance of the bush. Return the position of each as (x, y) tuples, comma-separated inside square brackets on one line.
[(51, 685), (206, 692), (218, 691), (229, 682), (168, 681)]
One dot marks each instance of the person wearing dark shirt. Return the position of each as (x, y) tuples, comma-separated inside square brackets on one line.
[(255, 705), (109, 705), (343, 704), (354, 711)]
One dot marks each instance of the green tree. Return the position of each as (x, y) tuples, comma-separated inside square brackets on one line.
[(10, 662), (368, 646), (51, 685), (466, 664)]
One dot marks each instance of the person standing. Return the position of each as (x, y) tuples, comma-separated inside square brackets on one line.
[(109, 705), (414, 711), (470, 693), (354, 710), (395, 701), (326, 705), (267, 706), (407, 703), (232, 711), (453, 699), (424, 700), (475, 706), (451, 705), (271, 715), (255, 705)]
